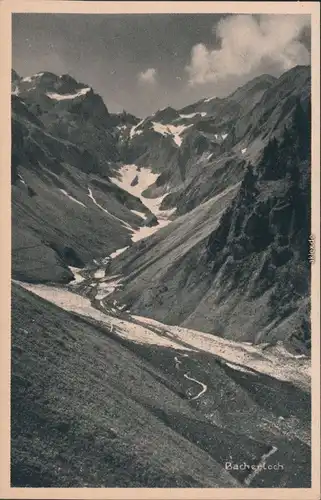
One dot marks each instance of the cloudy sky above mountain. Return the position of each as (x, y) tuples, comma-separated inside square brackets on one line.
[(144, 62)]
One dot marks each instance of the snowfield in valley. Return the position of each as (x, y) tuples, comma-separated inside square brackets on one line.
[(276, 363), (144, 178)]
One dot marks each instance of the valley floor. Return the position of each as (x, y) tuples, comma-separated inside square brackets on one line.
[(240, 356), (102, 397), (110, 399), (147, 369)]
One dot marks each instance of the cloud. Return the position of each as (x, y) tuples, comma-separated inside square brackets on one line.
[(249, 44), (148, 76)]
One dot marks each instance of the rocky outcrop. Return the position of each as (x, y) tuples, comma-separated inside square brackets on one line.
[(216, 137), (261, 246), (72, 111), (236, 168), (65, 211), (249, 277)]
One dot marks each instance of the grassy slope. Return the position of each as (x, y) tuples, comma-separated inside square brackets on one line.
[(158, 270), (47, 224), (79, 410), (89, 409)]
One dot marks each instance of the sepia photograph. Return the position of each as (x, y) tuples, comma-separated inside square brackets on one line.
[(161, 249)]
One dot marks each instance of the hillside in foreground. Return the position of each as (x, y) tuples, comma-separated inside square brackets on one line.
[(105, 400)]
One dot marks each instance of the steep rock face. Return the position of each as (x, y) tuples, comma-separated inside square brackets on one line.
[(72, 111), (15, 80), (65, 212), (273, 111), (53, 350), (234, 263), (196, 158), (245, 97), (166, 115), (95, 408), (242, 126), (260, 250), (251, 93), (163, 276), (208, 142), (250, 279)]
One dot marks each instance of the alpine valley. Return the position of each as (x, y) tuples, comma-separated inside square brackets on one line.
[(161, 288)]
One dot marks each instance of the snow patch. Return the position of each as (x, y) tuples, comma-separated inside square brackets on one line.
[(78, 278), (125, 224), (107, 286), (248, 356), (140, 214), (134, 130), (21, 179), (118, 252), (145, 178), (100, 273), (205, 157), (63, 97), (73, 302), (243, 150), (27, 79), (174, 131), (220, 137), (191, 115), (253, 357), (209, 99), (177, 362), (281, 350), (163, 217), (238, 368), (144, 232), (72, 198)]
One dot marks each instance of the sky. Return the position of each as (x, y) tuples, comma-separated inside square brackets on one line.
[(145, 62)]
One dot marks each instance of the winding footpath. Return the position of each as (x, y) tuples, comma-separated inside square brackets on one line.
[(260, 466), (204, 386)]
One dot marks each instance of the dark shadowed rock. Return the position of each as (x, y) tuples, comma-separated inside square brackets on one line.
[(249, 277), (65, 211), (134, 182), (151, 221)]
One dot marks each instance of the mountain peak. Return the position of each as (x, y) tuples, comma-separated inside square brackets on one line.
[(257, 85), (14, 76), (298, 71), (58, 87), (166, 115), (67, 78)]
